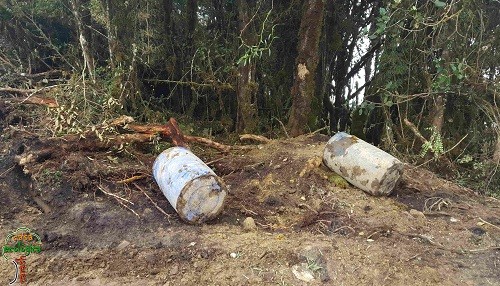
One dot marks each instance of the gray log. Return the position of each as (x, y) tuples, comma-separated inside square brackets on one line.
[(363, 165), (191, 187)]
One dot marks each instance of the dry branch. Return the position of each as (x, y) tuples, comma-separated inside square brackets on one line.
[(38, 100), (132, 179), (415, 130), (20, 91), (171, 130), (253, 137)]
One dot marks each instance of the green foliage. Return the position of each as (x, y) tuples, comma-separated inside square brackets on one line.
[(434, 144), (381, 24), (439, 4), (254, 52)]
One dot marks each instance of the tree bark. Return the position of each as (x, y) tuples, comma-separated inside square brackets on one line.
[(167, 14), (438, 113), (112, 44), (247, 87), (302, 92), (84, 39), (496, 155)]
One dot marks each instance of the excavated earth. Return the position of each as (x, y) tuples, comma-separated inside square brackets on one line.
[(309, 225)]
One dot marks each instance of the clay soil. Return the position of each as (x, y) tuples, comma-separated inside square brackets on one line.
[(308, 224)]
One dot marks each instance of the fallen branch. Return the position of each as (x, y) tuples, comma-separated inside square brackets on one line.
[(415, 130), (214, 85), (132, 179), (101, 188), (489, 223), (171, 130), (39, 100), (17, 90), (253, 137)]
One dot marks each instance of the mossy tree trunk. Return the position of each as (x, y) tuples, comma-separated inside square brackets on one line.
[(302, 115), (246, 120)]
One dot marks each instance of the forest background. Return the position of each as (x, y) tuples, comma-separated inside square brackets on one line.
[(419, 79)]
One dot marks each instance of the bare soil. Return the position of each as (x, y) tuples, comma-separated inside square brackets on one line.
[(428, 232)]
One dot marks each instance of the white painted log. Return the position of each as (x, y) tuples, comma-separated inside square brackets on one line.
[(191, 187), (362, 164)]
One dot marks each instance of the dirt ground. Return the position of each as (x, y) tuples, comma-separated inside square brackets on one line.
[(309, 225)]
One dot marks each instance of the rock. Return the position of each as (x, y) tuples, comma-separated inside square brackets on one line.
[(249, 224), (174, 270), (301, 272), (417, 214), (477, 231), (123, 245)]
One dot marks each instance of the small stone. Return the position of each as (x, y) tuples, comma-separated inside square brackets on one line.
[(249, 224), (452, 219), (302, 272), (174, 270), (477, 231), (233, 255), (417, 214), (123, 245)]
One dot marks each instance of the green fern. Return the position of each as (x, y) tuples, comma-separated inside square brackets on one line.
[(435, 144)]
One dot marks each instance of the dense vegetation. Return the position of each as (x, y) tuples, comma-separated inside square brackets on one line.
[(418, 78)]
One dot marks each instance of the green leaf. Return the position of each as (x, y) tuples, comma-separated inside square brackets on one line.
[(439, 4)]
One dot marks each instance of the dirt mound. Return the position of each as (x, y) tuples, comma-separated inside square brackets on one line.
[(99, 229)]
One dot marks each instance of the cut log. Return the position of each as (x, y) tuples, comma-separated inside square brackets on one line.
[(363, 165), (191, 187)]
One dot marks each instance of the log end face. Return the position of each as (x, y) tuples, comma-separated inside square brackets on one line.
[(386, 185), (202, 199), (338, 145)]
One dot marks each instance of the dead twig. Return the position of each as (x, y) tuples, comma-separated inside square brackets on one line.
[(437, 203), (101, 188), (416, 255), (309, 208), (415, 130), (37, 100), (125, 206), (247, 211), (424, 238), (317, 131), (489, 223), (283, 126), (153, 202), (342, 227), (484, 249), (215, 161), (254, 137), (436, 214), (132, 179), (7, 171)]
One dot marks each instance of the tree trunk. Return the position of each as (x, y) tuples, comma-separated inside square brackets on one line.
[(496, 155), (167, 14), (302, 93), (84, 38), (438, 113), (247, 87), (110, 33)]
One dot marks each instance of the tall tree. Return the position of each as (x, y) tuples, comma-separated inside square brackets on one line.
[(82, 22), (247, 86), (303, 90)]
